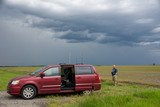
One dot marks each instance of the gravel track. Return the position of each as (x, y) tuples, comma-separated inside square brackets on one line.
[(7, 100)]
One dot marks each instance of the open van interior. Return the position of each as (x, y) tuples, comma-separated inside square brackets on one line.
[(67, 77)]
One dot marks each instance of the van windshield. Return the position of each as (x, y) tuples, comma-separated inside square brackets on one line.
[(37, 71)]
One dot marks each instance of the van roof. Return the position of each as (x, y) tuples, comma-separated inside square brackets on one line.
[(69, 65)]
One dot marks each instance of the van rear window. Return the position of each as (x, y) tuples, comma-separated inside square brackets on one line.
[(83, 70)]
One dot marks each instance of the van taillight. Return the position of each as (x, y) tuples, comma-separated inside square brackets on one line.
[(97, 78)]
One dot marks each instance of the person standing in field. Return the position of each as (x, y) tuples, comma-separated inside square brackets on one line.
[(114, 74)]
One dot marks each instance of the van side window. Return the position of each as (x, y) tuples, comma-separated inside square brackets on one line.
[(83, 70), (52, 71)]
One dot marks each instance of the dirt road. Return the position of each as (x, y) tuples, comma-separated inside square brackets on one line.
[(7, 100)]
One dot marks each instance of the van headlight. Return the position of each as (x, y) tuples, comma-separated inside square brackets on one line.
[(15, 82)]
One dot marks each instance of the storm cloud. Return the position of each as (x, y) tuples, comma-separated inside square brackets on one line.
[(125, 23), (105, 21)]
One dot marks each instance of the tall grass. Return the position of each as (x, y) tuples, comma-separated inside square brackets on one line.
[(122, 95), (140, 99)]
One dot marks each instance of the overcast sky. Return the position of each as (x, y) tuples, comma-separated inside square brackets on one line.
[(101, 32)]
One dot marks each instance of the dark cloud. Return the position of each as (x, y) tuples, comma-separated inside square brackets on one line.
[(124, 24)]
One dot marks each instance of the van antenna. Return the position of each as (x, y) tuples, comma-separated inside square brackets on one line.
[(69, 58), (82, 58)]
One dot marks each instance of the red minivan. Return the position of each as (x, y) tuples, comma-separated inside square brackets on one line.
[(62, 78)]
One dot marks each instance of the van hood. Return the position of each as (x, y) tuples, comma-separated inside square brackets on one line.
[(22, 77)]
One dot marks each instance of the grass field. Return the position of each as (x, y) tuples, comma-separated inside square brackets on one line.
[(122, 95), (137, 74), (7, 73)]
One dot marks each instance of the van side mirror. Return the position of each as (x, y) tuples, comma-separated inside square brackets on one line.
[(42, 74)]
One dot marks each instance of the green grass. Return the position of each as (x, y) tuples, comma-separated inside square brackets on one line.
[(140, 99), (7, 73), (123, 95)]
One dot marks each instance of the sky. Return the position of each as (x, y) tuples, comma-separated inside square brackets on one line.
[(98, 32)]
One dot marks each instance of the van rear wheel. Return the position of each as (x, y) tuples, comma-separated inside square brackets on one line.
[(87, 92), (28, 92)]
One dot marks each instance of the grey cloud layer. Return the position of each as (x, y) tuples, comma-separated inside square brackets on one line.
[(104, 21)]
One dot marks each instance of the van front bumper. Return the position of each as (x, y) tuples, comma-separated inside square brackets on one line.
[(13, 89)]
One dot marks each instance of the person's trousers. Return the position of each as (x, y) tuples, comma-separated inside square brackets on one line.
[(114, 78)]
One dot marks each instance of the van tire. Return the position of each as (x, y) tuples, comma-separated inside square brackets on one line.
[(87, 92), (28, 92)]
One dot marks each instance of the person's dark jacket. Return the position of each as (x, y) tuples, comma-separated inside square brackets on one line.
[(114, 71)]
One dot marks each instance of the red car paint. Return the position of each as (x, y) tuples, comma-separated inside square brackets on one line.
[(50, 79)]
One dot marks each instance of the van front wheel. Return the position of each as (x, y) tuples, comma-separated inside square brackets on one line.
[(28, 92)]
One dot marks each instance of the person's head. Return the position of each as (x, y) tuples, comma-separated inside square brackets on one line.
[(114, 66)]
